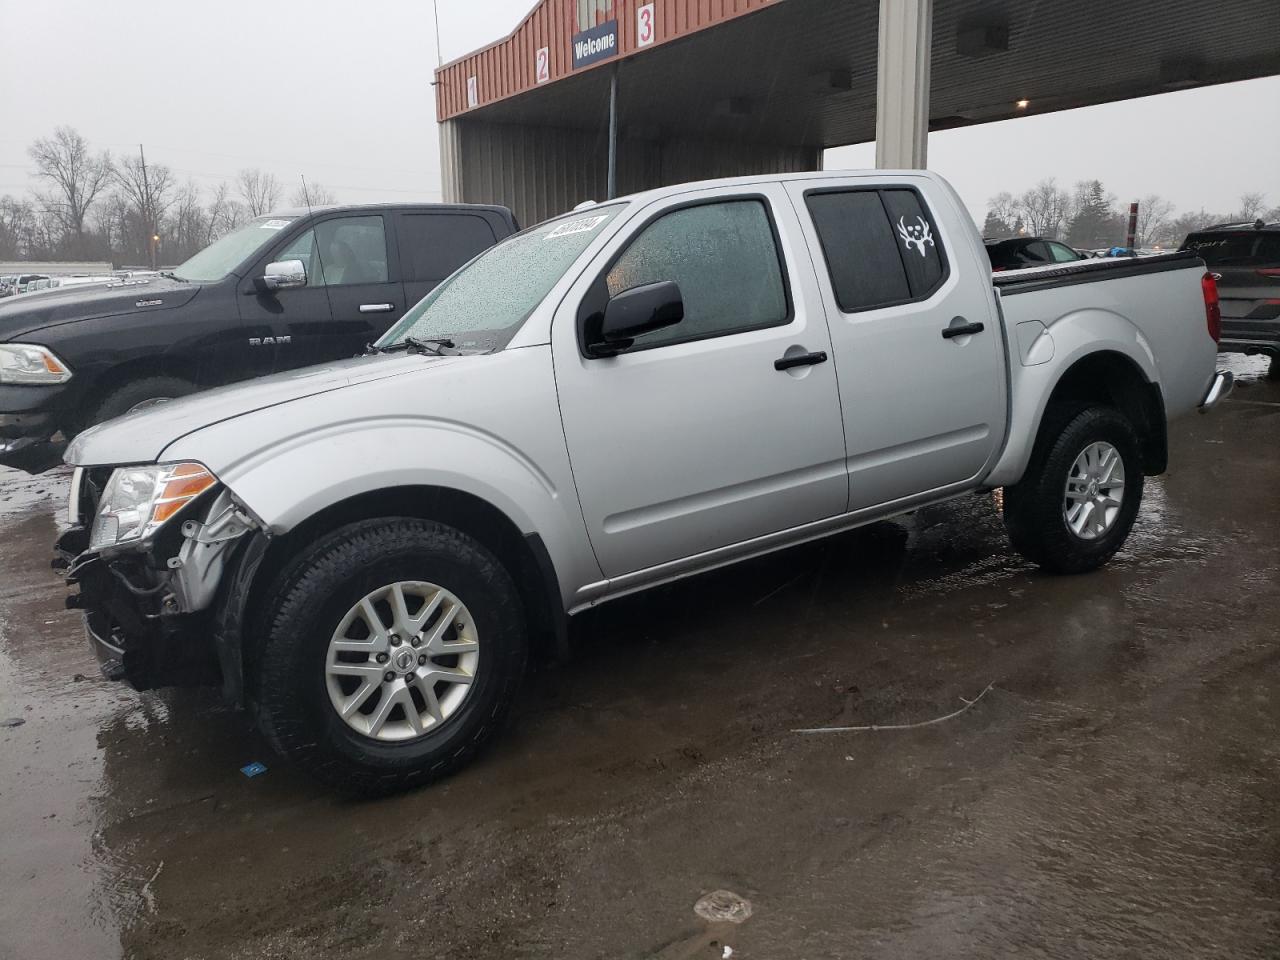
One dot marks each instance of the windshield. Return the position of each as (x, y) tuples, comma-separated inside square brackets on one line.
[(482, 305), (226, 253)]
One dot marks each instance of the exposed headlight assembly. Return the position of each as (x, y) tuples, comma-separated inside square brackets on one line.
[(31, 364), (137, 501)]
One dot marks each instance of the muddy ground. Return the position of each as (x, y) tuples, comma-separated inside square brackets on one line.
[(1115, 794)]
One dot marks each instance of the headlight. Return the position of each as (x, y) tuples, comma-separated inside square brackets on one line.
[(29, 363), (138, 500)]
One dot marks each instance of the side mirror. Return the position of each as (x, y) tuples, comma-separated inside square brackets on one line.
[(634, 312), (282, 275)]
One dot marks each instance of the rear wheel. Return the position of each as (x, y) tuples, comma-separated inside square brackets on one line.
[(138, 395), (1077, 500), (392, 652)]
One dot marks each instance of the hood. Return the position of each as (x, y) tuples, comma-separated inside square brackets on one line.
[(46, 308), (141, 437)]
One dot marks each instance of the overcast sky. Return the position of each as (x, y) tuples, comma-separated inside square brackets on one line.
[(341, 92)]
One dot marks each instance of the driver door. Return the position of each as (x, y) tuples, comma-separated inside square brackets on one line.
[(695, 438), (276, 325)]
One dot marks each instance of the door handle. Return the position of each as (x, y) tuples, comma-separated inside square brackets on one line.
[(800, 360), (959, 328), (377, 307)]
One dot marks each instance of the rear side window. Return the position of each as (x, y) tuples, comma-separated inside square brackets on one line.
[(725, 260), (1252, 249), (917, 241), (433, 245), (881, 246)]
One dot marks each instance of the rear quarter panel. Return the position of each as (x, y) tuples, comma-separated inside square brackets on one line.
[(1156, 320)]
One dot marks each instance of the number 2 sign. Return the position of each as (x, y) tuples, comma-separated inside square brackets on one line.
[(542, 67), (644, 25)]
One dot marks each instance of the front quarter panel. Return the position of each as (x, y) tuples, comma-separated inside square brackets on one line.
[(486, 425)]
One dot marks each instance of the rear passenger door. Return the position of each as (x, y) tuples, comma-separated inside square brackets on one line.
[(433, 244), (924, 408)]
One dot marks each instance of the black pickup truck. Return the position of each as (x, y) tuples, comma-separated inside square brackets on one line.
[(285, 290)]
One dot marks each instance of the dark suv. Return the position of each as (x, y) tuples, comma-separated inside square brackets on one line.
[(285, 290), (1245, 260)]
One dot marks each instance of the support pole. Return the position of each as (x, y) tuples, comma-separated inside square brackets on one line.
[(612, 188), (902, 85)]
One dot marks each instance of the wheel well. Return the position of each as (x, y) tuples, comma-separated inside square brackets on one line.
[(524, 557), (131, 370), (1117, 381)]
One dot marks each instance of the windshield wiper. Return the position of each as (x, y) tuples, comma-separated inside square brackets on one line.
[(173, 276), (432, 345)]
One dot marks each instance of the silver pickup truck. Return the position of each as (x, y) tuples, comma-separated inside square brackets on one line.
[(642, 390)]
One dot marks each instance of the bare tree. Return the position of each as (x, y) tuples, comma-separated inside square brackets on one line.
[(312, 195), (1154, 212), (149, 192), (1043, 208), (17, 228), (1187, 223), (1251, 204), (259, 190), (75, 176), (225, 214), (188, 226), (1004, 206)]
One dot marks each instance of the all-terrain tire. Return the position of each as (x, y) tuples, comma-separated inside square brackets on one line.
[(1033, 508), (124, 398), (287, 672)]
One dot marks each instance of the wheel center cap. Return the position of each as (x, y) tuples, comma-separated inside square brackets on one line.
[(1092, 490), (405, 660)]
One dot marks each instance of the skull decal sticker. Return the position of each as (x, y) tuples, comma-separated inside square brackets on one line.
[(916, 235)]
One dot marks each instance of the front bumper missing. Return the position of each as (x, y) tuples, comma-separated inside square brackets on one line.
[(131, 622), (169, 614), (1220, 388)]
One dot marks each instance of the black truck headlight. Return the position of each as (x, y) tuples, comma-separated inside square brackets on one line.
[(138, 501), (32, 364)]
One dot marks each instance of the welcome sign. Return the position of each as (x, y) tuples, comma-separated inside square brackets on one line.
[(598, 43)]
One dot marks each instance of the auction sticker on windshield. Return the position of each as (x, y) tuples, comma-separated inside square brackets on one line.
[(581, 225), (275, 224)]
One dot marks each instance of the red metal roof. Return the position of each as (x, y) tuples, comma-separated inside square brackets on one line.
[(509, 66)]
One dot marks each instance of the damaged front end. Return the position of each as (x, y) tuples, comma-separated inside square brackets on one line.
[(163, 557)]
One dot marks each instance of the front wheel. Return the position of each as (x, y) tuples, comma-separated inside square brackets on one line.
[(1078, 499), (393, 649)]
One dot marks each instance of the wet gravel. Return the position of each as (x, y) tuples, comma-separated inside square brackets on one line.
[(1115, 794)]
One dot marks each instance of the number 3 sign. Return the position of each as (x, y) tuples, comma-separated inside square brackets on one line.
[(644, 25)]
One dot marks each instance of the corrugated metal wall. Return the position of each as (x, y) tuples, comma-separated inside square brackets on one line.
[(542, 171), (508, 67)]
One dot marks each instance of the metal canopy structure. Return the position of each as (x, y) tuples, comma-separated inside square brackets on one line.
[(735, 86)]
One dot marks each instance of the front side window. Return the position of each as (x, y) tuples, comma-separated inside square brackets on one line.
[(725, 260), (1062, 253), (341, 252)]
